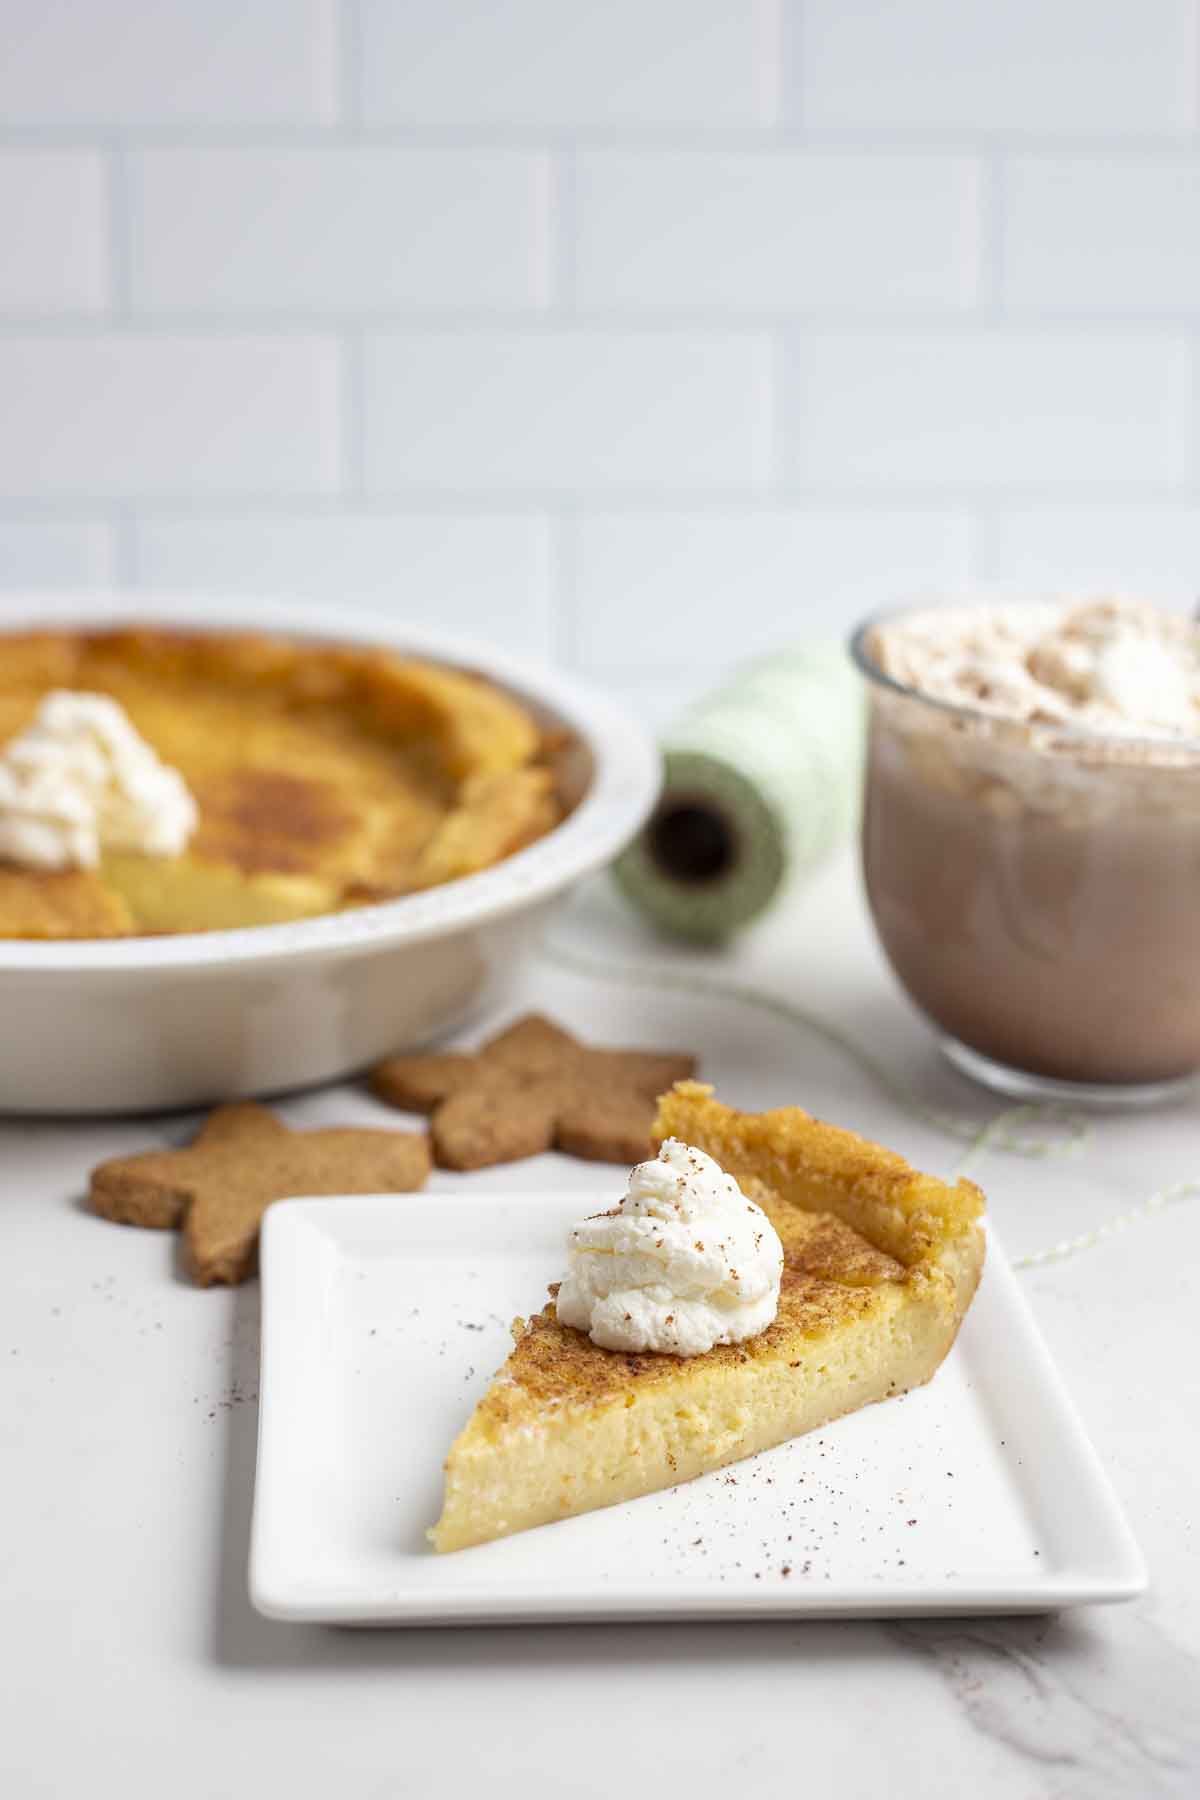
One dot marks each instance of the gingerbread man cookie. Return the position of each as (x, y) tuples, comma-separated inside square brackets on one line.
[(243, 1158), (534, 1088)]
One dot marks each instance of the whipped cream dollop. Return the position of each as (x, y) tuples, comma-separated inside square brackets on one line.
[(684, 1262), (79, 780), (1115, 666)]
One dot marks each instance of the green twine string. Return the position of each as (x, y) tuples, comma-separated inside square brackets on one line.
[(997, 1133), (1087, 1240)]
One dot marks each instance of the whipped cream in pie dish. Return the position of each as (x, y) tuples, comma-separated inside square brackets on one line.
[(685, 1262), (80, 779)]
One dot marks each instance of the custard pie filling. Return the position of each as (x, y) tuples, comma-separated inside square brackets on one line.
[(315, 777)]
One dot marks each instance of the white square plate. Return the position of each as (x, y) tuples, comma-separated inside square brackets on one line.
[(385, 1317)]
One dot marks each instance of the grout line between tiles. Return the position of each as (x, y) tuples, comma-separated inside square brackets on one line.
[(562, 225), (992, 195), (742, 321), (777, 421), (349, 59), (352, 413), (746, 501), (779, 32), (976, 522), (1188, 423), (562, 582), (120, 234), (751, 136), (126, 560)]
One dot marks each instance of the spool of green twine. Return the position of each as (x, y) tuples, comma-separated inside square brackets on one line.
[(761, 781)]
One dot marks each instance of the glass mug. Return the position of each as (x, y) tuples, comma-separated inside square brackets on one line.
[(1036, 893)]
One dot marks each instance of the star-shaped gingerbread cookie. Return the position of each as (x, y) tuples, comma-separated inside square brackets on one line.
[(534, 1088), (242, 1159)]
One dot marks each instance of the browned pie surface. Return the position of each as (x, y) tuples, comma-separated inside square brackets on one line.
[(324, 776), (828, 1277), (890, 1226), (69, 903)]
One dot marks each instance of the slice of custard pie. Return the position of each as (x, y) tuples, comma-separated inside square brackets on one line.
[(765, 1274)]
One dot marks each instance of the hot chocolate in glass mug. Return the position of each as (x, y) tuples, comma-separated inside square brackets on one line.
[(1031, 838)]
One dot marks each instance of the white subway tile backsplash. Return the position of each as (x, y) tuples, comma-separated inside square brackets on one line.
[(55, 553), (698, 587), (54, 231), (657, 329), (480, 574), (1052, 408), (1053, 66), (763, 229), (115, 414), (167, 62), (563, 409), (1147, 549), (1102, 233), (540, 62), (347, 229), (659, 704)]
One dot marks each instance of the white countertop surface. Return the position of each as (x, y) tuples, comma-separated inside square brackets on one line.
[(133, 1663)]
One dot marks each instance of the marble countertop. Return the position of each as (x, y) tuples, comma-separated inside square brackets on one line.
[(134, 1662)]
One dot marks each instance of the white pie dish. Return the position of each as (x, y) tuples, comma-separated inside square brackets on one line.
[(142, 1024)]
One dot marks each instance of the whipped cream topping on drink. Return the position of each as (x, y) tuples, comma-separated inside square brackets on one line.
[(1117, 667), (684, 1262)]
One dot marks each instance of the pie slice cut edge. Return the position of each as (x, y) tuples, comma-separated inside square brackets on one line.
[(880, 1266)]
